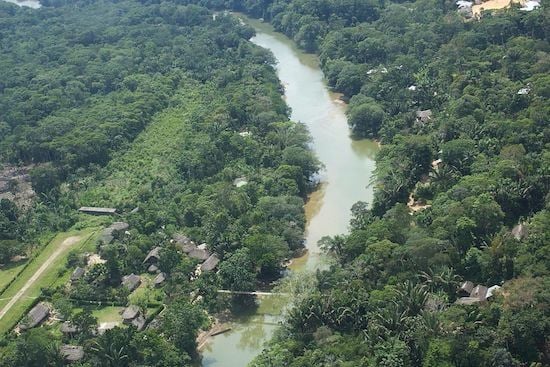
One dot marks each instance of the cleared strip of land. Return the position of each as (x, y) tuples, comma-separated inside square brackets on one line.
[(42, 272)]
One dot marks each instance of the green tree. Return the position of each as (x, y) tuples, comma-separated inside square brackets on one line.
[(181, 322), (237, 272), (365, 119)]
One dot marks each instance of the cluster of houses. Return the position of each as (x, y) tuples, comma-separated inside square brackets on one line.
[(200, 252), (131, 315), (470, 9), (40, 313)]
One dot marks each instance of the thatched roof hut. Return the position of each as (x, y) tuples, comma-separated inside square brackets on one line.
[(131, 281), (210, 263), (36, 316), (71, 353)]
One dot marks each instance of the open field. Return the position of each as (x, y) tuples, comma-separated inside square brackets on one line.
[(41, 272), (9, 272)]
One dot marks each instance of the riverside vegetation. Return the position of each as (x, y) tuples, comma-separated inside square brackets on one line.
[(474, 167), (461, 108)]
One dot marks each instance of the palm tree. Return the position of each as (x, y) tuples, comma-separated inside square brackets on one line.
[(411, 297), (109, 353), (448, 281), (442, 176)]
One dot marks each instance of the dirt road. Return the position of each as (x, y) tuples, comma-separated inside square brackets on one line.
[(69, 241)]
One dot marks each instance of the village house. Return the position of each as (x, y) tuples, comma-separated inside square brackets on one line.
[(107, 236), (131, 281), (77, 274), (71, 353), (159, 280), (478, 294), (183, 243), (152, 259), (68, 329), (423, 117), (210, 264), (132, 316), (199, 254), (466, 288), (35, 317)]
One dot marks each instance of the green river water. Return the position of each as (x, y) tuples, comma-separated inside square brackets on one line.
[(349, 165)]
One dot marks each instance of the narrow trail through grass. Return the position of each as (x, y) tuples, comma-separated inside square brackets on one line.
[(42, 271)]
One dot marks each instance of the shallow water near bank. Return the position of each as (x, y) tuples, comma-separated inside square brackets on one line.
[(349, 165)]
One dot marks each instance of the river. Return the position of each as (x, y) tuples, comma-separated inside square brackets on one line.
[(35, 4), (349, 165)]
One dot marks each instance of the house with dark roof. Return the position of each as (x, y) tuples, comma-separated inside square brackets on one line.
[(159, 280), (139, 322), (199, 254), (210, 263), (131, 281), (466, 288), (423, 116), (77, 274), (130, 313), (35, 317), (107, 235), (153, 256), (119, 226), (132, 316), (67, 328), (71, 353)]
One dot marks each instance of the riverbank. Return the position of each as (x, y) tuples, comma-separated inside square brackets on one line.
[(348, 167)]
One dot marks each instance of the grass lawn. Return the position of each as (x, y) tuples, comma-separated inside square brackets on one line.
[(9, 272), (47, 278), (147, 291), (112, 315), (108, 314)]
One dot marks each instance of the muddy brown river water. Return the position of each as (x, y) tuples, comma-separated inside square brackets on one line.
[(349, 166)]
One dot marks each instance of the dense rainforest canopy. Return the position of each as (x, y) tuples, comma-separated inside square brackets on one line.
[(160, 108)]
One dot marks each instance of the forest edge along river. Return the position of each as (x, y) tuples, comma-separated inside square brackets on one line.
[(348, 168)]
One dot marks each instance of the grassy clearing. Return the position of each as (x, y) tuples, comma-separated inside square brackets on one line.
[(151, 156), (46, 279), (108, 314), (9, 272), (147, 291)]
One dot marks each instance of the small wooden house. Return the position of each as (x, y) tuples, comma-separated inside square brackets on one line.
[(210, 264), (159, 280), (36, 316), (131, 281), (71, 353), (77, 274)]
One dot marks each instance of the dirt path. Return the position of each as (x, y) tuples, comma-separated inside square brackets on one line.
[(64, 245)]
